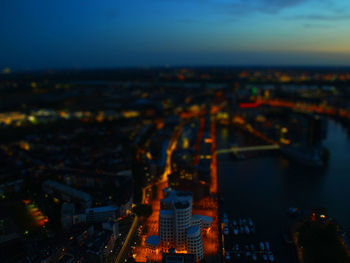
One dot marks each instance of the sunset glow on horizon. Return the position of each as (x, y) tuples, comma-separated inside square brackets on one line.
[(90, 34)]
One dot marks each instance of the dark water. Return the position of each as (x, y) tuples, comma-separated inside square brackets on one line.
[(264, 187)]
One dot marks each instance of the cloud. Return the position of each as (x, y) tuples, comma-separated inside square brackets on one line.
[(316, 17), (316, 26), (239, 7), (274, 6), (246, 6)]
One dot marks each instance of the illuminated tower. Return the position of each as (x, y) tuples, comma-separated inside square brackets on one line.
[(178, 228), (183, 219), (194, 242), (167, 228)]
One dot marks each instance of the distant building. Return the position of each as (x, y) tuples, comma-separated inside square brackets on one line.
[(111, 226), (13, 186), (67, 193), (101, 214), (124, 208), (79, 218), (67, 214), (97, 245)]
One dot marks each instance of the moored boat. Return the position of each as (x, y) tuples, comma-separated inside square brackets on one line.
[(246, 229), (262, 246), (250, 222), (264, 256), (226, 230)]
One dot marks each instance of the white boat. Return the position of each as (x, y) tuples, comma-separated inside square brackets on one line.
[(242, 230), (225, 219), (226, 230), (267, 245), (247, 231), (250, 222), (254, 257), (252, 229), (227, 256), (235, 231), (262, 246), (271, 257), (252, 247), (265, 257)]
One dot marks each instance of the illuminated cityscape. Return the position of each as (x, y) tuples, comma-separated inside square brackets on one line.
[(189, 131), (143, 171)]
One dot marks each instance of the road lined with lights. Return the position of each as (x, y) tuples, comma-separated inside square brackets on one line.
[(126, 244), (141, 252)]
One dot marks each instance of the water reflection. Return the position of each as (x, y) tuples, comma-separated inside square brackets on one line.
[(263, 187)]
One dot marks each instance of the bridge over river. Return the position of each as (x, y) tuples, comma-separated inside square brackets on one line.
[(237, 149)]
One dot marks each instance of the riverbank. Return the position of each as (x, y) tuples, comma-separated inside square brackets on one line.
[(265, 186)]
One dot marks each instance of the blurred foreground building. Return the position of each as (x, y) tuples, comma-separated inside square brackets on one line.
[(173, 257), (178, 228)]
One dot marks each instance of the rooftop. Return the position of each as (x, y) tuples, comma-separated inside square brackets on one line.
[(101, 209), (192, 230), (166, 212), (152, 241), (174, 198), (181, 205), (68, 190), (183, 193), (204, 218)]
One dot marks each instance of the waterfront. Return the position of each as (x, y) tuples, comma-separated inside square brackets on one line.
[(265, 186)]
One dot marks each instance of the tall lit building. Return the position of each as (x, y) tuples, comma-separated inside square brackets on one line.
[(166, 228), (194, 242), (178, 227)]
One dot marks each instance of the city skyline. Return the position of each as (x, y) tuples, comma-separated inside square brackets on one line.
[(215, 164), (136, 33)]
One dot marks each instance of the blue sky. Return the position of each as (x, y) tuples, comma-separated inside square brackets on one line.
[(108, 33)]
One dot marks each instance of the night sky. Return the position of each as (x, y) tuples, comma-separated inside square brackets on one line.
[(122, 33)]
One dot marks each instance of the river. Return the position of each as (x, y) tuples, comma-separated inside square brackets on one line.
[(265, 186)]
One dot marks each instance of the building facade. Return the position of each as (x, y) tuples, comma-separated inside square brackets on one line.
[(178, 228), (194, 242), (101, 214)]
